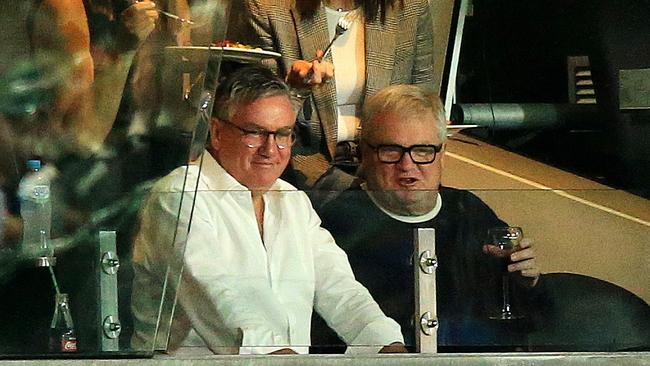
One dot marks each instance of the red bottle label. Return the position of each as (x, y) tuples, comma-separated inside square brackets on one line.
[(68, 344)]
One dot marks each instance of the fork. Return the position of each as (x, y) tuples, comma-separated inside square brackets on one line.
[(168, 14), (344, 23), (176, 17)]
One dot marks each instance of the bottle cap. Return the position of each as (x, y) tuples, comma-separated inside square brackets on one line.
[(33, 164)]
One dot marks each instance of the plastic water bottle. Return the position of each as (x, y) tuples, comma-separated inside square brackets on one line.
[(35, 210)]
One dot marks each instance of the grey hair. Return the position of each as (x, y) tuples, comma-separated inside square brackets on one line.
[(246, 85), (406, 101)]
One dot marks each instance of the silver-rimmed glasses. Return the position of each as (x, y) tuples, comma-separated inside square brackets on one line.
[(420, 154), (256, 137)]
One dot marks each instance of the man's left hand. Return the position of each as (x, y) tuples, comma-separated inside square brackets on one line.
[(523, 263), (284, 351), (396, 347)]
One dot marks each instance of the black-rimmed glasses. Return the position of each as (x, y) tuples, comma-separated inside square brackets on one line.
[(420, 154), (254, 138)]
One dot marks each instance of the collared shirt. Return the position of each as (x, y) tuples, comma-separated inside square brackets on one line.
[(239, 292)]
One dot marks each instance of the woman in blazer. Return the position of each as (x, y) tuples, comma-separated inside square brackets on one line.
[(393, 43)]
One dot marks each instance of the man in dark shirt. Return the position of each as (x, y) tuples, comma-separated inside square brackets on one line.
[(402, 147)]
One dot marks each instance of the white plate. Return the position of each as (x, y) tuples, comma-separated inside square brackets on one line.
[(454, 129), (461, 127), (228, 53)]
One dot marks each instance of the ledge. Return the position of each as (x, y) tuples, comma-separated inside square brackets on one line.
[(539, 359)]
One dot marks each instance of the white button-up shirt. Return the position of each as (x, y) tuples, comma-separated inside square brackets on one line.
[(239, 292)]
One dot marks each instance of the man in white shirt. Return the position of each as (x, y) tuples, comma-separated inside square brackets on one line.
[(256, 260)]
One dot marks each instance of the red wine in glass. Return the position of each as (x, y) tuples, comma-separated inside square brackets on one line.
[(506, 240), (506, 248)]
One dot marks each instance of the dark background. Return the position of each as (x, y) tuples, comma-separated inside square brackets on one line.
[(516, 52)]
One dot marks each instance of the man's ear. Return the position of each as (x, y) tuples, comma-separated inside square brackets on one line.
[(442, 155), (215, 133), (361, 169)]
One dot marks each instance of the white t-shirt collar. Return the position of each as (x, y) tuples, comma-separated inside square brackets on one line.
[(407, 219)]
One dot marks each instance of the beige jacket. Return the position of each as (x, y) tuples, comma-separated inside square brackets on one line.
[(399, 51)]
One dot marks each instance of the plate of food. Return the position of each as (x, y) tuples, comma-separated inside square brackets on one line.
[(227, 49)]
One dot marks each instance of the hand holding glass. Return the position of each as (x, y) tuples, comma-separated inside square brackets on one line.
[(505, 241)]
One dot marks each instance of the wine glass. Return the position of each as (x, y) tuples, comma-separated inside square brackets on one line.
[(506, 240)]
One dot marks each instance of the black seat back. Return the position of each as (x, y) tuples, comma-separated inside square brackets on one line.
[(581, 313)]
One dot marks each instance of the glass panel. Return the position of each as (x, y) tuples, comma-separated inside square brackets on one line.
[(258, 294), (199, 68), (379, 241), (107, 96), (586, 289), (582, 293), (238, 290)]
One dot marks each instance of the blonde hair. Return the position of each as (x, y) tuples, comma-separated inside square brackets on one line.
[(407, 101)]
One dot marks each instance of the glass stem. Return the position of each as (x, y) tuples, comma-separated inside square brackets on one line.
[(506, 294)]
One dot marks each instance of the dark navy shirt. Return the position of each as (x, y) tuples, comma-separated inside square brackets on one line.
[(380, 250)]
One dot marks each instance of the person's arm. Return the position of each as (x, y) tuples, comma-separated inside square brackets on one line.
[(342, 301), (217, 303), (60, 31), (302, 74), (258, 29), (258, 22), (180, 30), (89, 101), (423, 65), (138, 20)]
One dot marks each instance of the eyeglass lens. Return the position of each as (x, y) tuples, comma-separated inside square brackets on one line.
[(283, 138), (420, 154)]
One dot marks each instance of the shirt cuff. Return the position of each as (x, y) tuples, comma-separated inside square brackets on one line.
[(264, 350), (379, 333), (265, 342), (360, 350)]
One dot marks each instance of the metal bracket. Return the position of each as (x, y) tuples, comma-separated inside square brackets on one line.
[(110, 263), (112, 327), (108, 325), (428, 262), (428, 323), (424, 244)]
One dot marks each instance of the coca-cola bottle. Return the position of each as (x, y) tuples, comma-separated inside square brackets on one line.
[(62, 334)]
